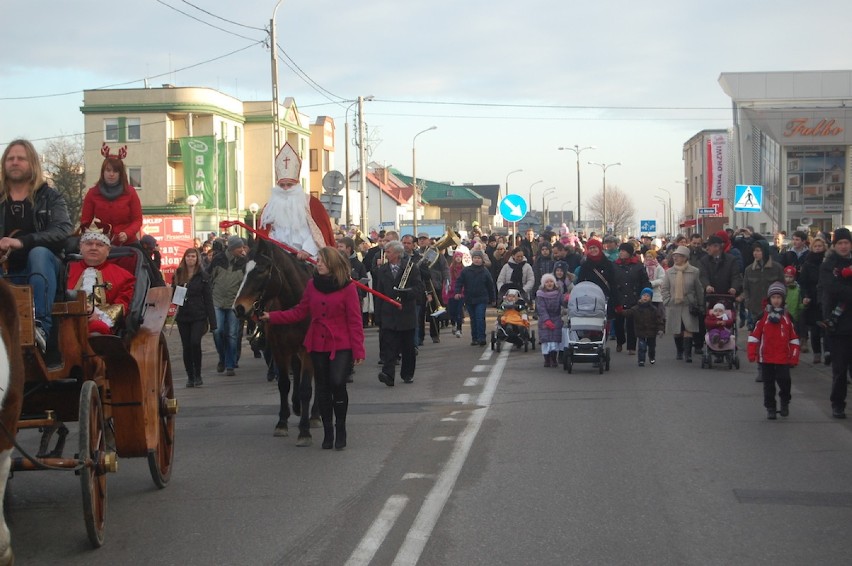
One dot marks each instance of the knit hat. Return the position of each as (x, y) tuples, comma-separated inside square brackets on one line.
[(718, 307), (513, 292), (726, 239), (647, 291), (477, 253), (593, 243), (563, 229), (627, 247), (777, 288), (235, 242), (841, 234), (545, 245), (651, 254), (547, 277), (560, 265), (148, 240), (790, 270)]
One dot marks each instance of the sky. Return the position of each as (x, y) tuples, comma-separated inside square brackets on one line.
[(506, 83)]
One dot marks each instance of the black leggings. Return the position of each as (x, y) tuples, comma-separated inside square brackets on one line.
[(190, 338), (330, 378)]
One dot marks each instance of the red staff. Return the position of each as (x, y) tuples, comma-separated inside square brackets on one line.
[(225, 224)]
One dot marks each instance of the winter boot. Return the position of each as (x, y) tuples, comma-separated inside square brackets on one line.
[(190, 380), (678, 340), (687, 349), (328, 439), (340, 437), (553, 360), (198, 381), (341, 407), (547, 360)]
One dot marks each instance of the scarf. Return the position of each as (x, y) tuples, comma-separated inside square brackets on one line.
[(678, 294), (775, 314), (326, 284), (651, 267), (518, 274), (111, 192)]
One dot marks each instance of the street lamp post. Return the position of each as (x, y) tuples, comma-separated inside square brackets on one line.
[(192, 201), (414, 194), (507, 182), (253, 208), (604, 167), (346, 157), (669, 219), (578, 150), (665, 214), (543, 209), (562, 207), (529, 207), (547, 208)]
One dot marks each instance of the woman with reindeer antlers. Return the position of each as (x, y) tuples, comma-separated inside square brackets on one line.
[(113, 201)]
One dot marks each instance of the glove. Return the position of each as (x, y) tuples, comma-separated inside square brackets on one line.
[(549, 324), (659, 333), (846, 272), (566, 297), (619, 309)]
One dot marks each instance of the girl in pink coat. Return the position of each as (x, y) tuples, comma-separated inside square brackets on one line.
[(335, 338)]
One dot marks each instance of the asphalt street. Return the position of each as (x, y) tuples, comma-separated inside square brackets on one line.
[(486, 458)]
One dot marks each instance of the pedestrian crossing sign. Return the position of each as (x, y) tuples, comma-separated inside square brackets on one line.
[(748, 198)]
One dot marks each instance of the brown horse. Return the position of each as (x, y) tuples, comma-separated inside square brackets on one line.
[(275, 280), (11, 396)]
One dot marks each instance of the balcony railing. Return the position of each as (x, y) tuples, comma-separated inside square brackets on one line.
[(174, 150), (177, 194)]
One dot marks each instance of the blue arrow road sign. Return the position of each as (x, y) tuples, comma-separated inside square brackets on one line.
[(513, 207), (647, 225), (748, 198)]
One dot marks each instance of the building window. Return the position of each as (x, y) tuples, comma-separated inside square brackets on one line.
[(314, 160), (111, 129), (134, 175), (134, 129), (326, 160)]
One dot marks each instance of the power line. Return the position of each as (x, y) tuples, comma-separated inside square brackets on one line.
[(309, 81), (221, 18), (551, 106), (37, 96), (203, 22)]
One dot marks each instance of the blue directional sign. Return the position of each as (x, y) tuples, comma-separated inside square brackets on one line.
[(748, 198), (647, 226), (513, 207)]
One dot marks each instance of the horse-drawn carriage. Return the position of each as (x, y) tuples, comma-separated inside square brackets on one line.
[(117, 387)]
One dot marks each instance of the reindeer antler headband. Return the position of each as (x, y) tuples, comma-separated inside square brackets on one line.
[(122, 152)]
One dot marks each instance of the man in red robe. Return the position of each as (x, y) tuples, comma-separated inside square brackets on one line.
[(292, 216), (109, 286)]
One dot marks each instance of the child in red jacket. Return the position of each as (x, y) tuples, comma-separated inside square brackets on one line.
[(775, 344)]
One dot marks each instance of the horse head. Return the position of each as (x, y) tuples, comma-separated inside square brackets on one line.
[(273, 278)]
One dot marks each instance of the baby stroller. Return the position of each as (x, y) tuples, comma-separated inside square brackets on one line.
[(513, 325), (586, 332), (715, 350)]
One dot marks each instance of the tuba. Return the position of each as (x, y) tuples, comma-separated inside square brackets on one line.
[(430, 257)]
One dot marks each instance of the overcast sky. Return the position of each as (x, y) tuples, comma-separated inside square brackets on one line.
[(506, 83)]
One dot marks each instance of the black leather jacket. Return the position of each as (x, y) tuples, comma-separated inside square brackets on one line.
[(52, 223)]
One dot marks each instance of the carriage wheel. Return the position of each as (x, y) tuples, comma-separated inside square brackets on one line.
[(92, 453), (493, 339), (160, 458)]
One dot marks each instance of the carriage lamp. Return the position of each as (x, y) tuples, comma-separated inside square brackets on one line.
[(110, 462)]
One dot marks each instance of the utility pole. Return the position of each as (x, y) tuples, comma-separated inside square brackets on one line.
[(362, 169), (276, 126)]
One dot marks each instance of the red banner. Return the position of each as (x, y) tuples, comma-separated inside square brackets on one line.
[(174, 236), (717, 174)]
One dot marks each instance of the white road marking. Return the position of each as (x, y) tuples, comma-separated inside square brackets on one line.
[(462, 398), (444, 438), (449, 420), (417, 476), (433, 505), (480, 368), (377, 532), (486, 355), (471, 381)]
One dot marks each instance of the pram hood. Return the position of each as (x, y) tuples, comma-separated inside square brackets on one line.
[(587, 301)]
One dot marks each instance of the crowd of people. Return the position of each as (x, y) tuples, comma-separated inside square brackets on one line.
[(653, 286)]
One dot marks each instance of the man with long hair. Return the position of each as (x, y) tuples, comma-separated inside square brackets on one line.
[(34, 225)]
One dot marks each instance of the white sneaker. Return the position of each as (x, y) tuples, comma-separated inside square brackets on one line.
[(457, 333), (41, 339)]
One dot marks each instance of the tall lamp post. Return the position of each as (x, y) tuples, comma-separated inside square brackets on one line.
[(665, 214), (562, 207), (507, 182), (414, 195), (253, 208), (543, 208), (578, 150), (529, 207), (192, 201), (547, 207), (346, 153), (604, 167), (671, 214)]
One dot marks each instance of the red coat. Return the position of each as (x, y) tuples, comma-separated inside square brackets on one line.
[(123, 214), (774, 343), (711, 322), (336, 322), (111, 303)]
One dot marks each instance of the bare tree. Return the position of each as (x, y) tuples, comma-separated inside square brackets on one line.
[(619, 209), (64, 166)]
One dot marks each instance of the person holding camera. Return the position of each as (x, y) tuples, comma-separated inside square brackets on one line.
[(683, 296)]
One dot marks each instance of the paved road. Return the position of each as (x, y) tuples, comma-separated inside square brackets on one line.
[(486, 459)]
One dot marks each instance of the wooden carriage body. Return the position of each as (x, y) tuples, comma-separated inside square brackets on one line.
[(118, 387)]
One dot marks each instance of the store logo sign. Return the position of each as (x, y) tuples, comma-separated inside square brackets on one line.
[(800, 127)]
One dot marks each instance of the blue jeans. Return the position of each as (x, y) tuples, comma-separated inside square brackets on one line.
[(42, 274), (477, 321), (226, 336), (455, 310)]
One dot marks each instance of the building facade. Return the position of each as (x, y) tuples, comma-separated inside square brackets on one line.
[(793, 135)]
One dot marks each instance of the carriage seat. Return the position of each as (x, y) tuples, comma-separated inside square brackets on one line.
[(133, 260)]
